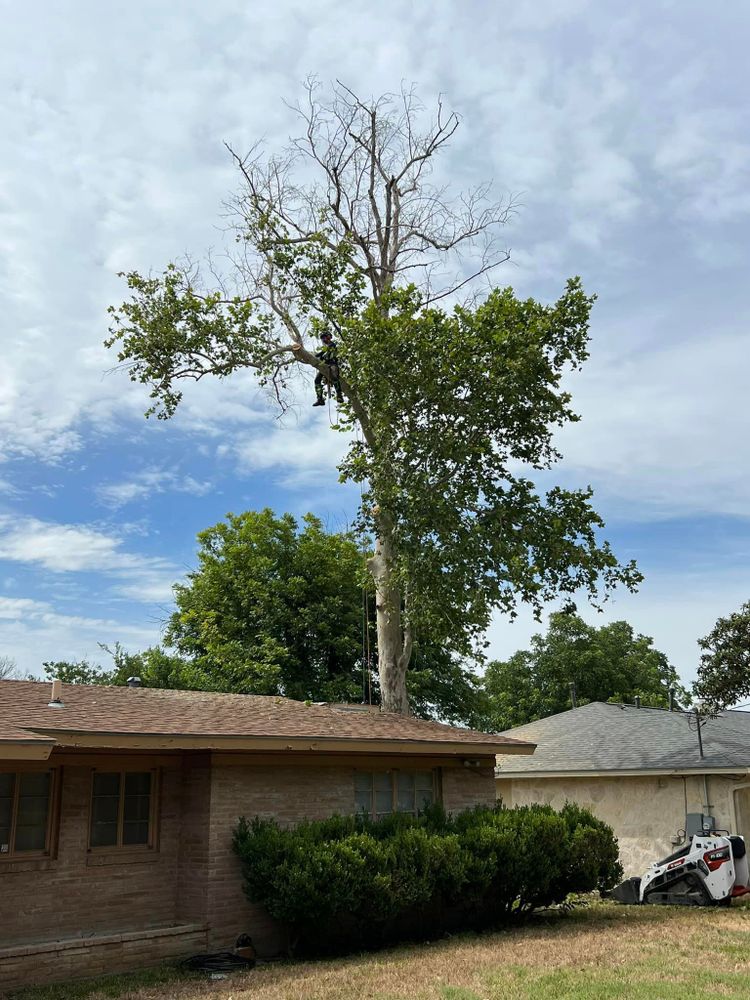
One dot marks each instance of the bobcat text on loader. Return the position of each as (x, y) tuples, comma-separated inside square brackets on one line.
[(709, 871)]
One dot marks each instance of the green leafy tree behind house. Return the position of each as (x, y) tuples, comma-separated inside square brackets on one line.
[(275, 607), (609, 663), (724, 671)]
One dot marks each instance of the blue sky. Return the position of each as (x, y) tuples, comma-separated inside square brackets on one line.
[(623, 132)]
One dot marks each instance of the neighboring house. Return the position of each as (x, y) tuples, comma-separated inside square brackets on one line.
[(638, 769), (117, 807)]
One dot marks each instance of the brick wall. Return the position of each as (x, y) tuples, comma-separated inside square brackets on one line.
[(464, 787), (193, 856), (81, 893), (73, 958), (77, 914), (289, 795)]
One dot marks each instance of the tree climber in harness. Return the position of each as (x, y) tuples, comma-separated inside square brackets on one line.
[(329, 356)]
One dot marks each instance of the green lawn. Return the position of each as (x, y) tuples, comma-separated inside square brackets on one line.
[(601, 951)]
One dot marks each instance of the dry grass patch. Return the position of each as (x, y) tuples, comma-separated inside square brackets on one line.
[(637, 953)]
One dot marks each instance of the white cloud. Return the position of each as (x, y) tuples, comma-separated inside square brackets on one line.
[(300, 454), (147, 483), (704, 159), (625, 135), (33, 632), (76, 548), (665, 426)]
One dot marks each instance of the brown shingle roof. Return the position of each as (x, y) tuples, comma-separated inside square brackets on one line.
[(182, 715)]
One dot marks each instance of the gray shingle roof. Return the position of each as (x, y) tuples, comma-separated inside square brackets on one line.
[(604, 737)]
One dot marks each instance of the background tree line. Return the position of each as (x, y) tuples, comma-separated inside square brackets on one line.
[(277, 607)]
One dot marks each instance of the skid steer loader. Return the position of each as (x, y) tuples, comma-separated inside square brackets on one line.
[(710, 870)]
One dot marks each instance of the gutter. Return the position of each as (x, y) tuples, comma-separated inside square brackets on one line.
[(324, 744), (501, 774)]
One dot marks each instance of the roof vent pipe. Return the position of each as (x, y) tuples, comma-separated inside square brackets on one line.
[(671, 693), (133, 682), (637, 701), (56, 699), (573, 698)]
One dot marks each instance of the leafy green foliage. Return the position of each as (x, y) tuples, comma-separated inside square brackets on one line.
[(76, 672), (168, 331), (273, 609), (278, 609), (348, 882), (724, 671), (456, 401), (610, 663)]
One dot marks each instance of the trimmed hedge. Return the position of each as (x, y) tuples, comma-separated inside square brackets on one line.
[(349, 883)]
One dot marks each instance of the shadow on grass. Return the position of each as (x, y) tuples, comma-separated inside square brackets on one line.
[(107, 986)]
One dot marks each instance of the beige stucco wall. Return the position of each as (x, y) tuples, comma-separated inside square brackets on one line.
[(644, 812)]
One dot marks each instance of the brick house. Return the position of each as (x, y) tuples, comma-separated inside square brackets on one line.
[(117, 807)]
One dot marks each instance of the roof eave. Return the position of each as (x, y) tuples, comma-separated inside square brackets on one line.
[(501, 774), (318, 744), (31, 749)]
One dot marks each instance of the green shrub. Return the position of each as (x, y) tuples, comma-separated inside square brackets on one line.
[(348, 882)]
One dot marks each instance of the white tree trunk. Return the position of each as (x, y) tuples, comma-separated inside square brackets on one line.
[(394, 640)]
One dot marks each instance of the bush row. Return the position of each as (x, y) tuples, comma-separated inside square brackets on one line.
[(348, 882)]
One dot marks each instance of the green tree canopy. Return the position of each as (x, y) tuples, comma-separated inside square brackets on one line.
[(77, 672), (272, 609), (724, 671), (449, 406), (609, 663), (276, 607)]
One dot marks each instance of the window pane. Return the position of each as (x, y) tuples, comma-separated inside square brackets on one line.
[(425, 789), (363, 801), (136, 808), (138, 783), (383, 803), (105, 807), (7, 787), (382, 781), (35, 783), (33, 809), (405, 791), (135, 832), (107, 783), (425, 798), (362, 781)]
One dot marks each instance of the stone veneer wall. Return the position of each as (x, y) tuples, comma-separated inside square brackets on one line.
[(644, 812)]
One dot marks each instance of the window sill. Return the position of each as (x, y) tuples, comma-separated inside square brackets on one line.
[(26, 865), (97, 859)]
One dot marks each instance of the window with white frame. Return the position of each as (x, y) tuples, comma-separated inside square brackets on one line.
[(379, 793)]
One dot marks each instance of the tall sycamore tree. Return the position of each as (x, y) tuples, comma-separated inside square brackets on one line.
[(449, 409)]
